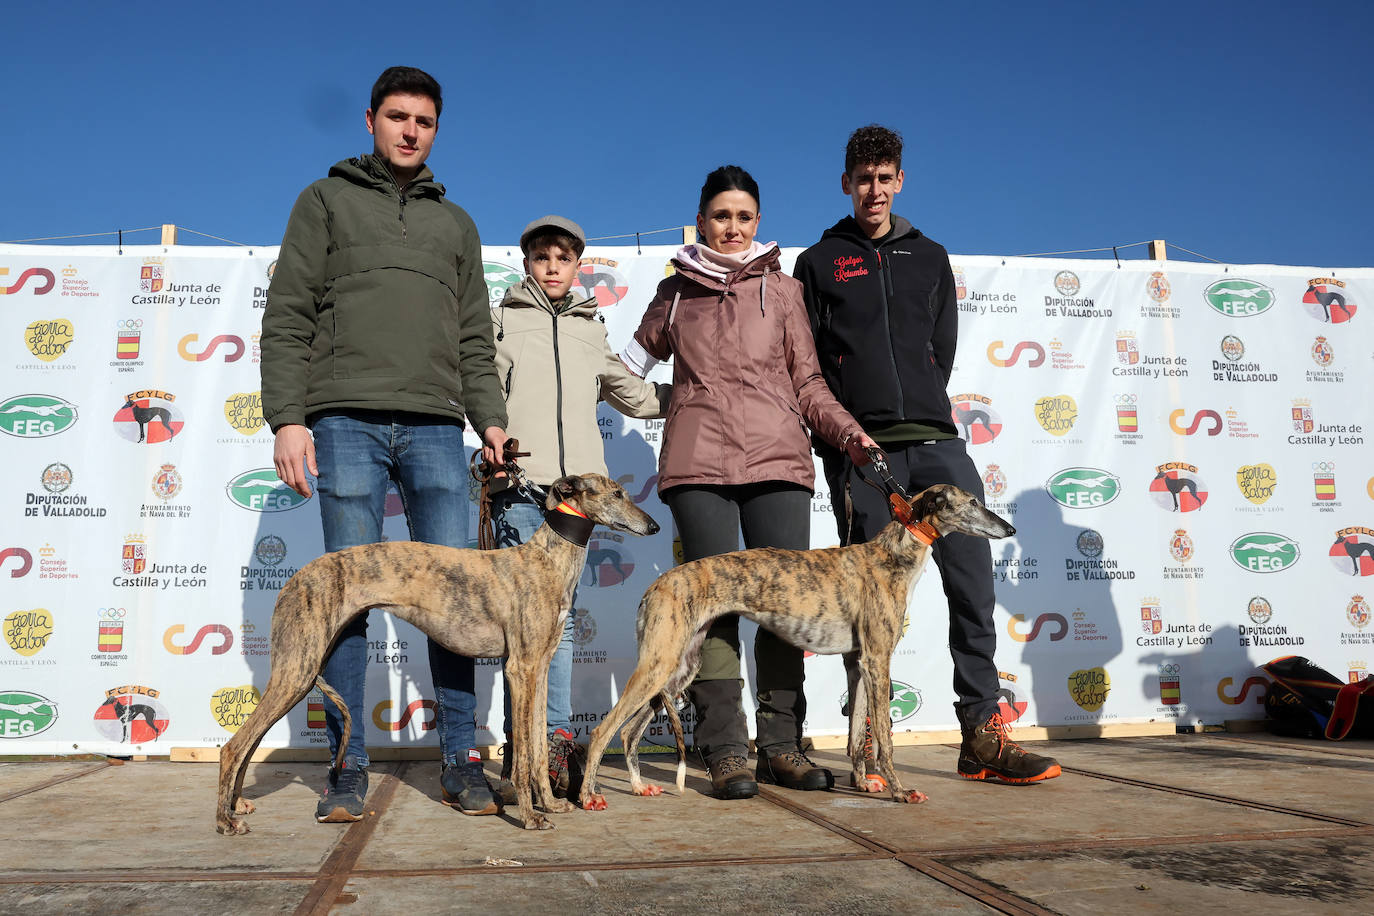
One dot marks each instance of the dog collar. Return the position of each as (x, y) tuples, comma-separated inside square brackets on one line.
[(922, 531), (569, 524)]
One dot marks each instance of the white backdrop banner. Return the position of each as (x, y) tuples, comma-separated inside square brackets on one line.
[(1181, 447)]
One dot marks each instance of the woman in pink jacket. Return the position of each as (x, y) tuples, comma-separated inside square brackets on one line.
[(736, 455)]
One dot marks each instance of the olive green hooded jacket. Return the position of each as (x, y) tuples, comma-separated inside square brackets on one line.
[(378, 303)]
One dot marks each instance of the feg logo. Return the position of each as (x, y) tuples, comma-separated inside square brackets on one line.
[(1264, 552), (1042, 621), (1083, 488), (226, 639), (35, 416), (42, 285), (1239, 298), (978, 422), (1210, 417), (996, 347), (260, 490), (24, 714), (906, 701), (1353, 552), (1327, 299), (424, 709), (499, 278), (233, 344), (1259, 684), (23, 556), (1176, 486)]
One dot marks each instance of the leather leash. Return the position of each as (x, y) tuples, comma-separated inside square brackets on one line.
[(898, 503)]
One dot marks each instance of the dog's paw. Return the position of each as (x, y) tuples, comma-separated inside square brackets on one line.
[(538, 822), (648, 789), (231, 827), (870, 783), (244, 806), (593, 802), (559, 806), (911, 797)]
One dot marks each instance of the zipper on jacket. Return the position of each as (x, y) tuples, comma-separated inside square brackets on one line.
[(401, 195), (558, 403), (885, 286)]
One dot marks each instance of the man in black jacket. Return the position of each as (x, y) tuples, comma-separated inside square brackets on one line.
[(881, 300)]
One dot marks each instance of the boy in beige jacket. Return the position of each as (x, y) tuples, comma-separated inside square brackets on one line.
[(551, 352)]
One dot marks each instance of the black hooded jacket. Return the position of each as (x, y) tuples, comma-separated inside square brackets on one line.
[(886, 322)]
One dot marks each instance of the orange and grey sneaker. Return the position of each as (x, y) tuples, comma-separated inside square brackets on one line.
[(874, 779), (988, 752)]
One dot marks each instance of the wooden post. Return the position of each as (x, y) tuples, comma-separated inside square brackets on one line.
[(169, 234), (689, 235), (1158, 251)]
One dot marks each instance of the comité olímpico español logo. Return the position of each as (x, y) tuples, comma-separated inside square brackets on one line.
[(35, 416), (1083, 488), (1239, 298), (261, 490)]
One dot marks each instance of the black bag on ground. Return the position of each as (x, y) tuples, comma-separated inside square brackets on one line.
[(1307, 701)]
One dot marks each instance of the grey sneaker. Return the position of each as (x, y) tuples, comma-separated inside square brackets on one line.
[(465, 787), (343, 795)]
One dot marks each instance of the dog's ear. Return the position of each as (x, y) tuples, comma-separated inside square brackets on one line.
[(928, 502), (566, 487)]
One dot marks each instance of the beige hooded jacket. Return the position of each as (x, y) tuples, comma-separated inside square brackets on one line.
[(554, 364)]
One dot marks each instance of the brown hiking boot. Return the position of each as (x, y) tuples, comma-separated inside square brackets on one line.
[(873, 779), (988, 751), (730, 778), (793, 770)]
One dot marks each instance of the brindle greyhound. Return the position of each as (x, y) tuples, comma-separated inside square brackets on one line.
[(838, 600), (481, 603)]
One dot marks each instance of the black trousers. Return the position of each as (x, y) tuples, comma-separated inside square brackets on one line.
[(709, 520), (965, 562)]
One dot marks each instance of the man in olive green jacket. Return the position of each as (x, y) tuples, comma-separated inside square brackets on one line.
[(376, 343)]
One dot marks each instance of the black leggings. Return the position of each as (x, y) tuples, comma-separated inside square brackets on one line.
[(709, 520)]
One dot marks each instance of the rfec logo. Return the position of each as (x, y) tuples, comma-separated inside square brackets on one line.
[(24, 714), (1083, 488), (260, 490), (1264, 552), (1239, 298), (34, 416)]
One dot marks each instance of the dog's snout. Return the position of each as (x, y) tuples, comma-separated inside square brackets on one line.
[(1011, 531), (653, 527)]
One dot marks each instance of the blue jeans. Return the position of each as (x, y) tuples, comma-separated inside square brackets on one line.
[(358, 451), (517, 518)]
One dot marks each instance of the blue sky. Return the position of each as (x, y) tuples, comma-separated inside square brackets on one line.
[(1240, 131)]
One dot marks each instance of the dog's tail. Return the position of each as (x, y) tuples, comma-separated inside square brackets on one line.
[(342, 707), (665, 699)]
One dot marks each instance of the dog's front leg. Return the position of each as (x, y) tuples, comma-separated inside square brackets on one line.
[(878, 685), (858, 713), (528, 744), (539, 728)]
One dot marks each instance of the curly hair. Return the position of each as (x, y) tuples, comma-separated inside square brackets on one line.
[(872, 145)]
